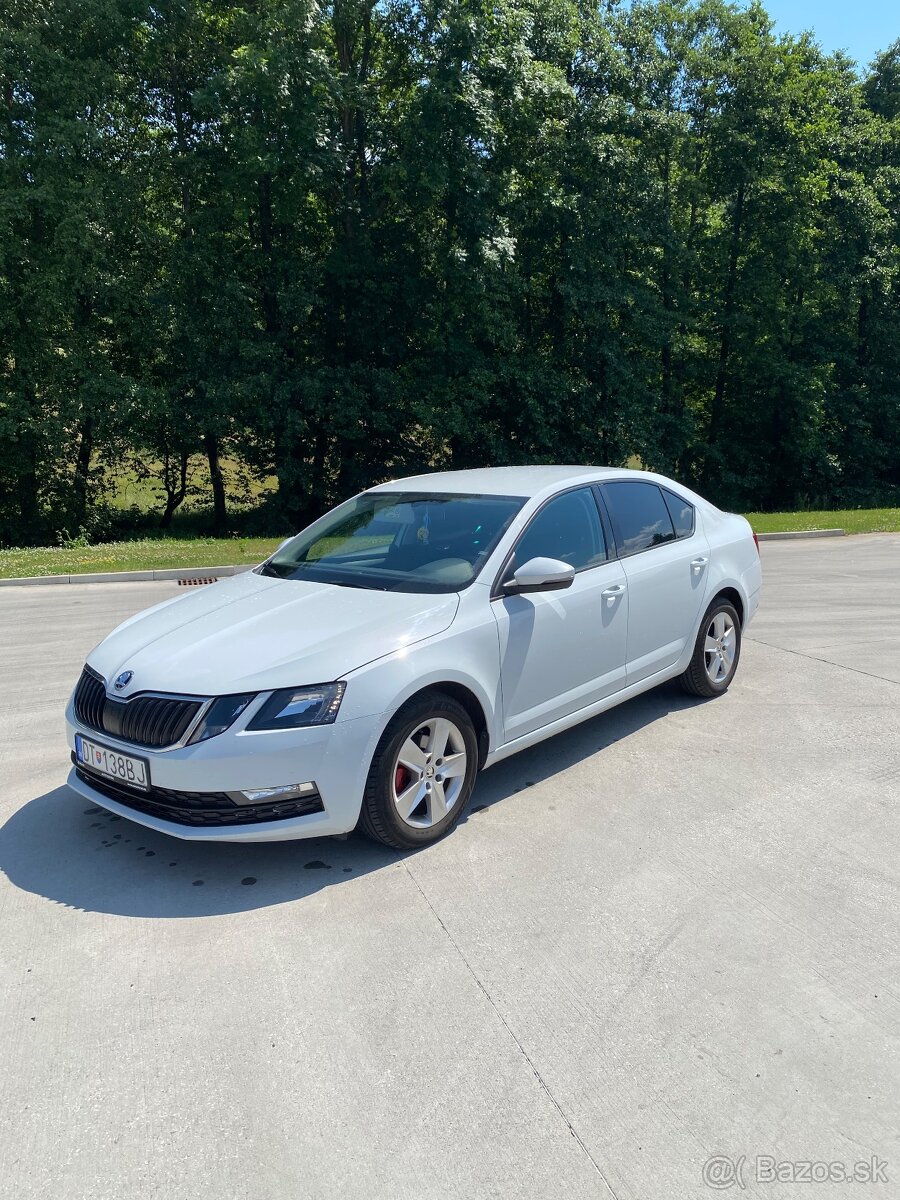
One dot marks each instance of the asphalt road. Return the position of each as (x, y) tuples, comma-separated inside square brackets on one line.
[(667, 935)]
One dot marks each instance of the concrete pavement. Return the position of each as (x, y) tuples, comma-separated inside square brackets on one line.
[(669, 934)]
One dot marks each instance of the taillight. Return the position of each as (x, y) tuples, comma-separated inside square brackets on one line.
[(756, 542)]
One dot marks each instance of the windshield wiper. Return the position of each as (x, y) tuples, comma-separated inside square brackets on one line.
[(271, 570)]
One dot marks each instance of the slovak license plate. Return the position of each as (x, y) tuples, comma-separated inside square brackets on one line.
[(112, 763)]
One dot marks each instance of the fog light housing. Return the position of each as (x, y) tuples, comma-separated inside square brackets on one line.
[(286, 791)]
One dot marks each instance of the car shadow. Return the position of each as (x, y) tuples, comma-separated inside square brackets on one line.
[(61, 847), (564, 750)]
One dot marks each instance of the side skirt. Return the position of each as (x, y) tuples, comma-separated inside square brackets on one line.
[(584, 714)]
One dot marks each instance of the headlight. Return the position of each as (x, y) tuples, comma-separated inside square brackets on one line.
[(293, 708), (222, 713)]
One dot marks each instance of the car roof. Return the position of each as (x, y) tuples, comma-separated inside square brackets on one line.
[(503, 481)]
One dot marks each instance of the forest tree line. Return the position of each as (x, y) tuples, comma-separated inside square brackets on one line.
[(343, 241)]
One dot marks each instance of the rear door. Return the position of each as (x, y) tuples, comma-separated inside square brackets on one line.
[(562, 650), (665, 558)]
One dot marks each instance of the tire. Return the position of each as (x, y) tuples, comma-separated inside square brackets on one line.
[(711, 670), (409, 801)]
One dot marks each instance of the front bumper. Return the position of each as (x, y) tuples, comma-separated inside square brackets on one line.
[(189, 784)]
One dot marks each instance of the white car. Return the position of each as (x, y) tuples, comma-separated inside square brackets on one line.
[(421, 631)]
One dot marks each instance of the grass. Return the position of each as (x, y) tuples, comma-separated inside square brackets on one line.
[(854, 520), (143, 555), (148, 553)]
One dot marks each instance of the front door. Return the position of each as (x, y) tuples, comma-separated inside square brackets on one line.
[(560, 651)]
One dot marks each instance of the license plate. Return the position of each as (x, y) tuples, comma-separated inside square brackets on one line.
[(124, 768)]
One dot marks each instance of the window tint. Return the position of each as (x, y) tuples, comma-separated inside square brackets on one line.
[(639, 515), (681, 512), (567, 528)]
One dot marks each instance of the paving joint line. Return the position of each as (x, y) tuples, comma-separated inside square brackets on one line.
[(826, 661), (559, 1109)]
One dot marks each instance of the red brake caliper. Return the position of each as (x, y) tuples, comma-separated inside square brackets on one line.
[(401, 778)]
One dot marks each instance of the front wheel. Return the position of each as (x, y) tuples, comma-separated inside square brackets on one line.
[(422, 773), (716, 651)]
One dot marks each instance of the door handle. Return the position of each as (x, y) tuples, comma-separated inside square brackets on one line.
[(612, 593), (698, 564)]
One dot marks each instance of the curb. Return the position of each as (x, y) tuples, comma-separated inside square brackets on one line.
[(169, 573), (801, 533)]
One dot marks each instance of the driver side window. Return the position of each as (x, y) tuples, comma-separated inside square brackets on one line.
[(567, 528)]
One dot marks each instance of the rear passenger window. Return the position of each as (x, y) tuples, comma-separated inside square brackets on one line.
[(681, 512), (639, 515)]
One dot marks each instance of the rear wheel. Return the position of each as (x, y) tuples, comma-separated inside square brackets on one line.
[(422, 773), (716, 651)]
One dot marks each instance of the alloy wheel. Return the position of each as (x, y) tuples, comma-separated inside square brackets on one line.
[(719, 648), (429, 773)]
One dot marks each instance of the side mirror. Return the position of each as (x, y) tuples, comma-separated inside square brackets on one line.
[(541, 575)]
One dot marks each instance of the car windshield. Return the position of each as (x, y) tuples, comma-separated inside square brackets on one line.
[(400, 541)]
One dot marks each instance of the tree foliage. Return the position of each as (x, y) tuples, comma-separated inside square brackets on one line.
[(341, 240)]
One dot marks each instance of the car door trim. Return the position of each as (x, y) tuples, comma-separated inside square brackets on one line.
[(606, 520)]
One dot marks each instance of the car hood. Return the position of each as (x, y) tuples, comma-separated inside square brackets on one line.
[(253, 632)]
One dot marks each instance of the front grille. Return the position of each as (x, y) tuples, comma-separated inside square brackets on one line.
[(210, 809), (151, 720), (144, 720), (90, 697)]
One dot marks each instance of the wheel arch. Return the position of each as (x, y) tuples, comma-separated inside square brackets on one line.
[(734, 597), (464, 696)]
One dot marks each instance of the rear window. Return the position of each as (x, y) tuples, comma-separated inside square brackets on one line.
[(681, 512), (640, 516)]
